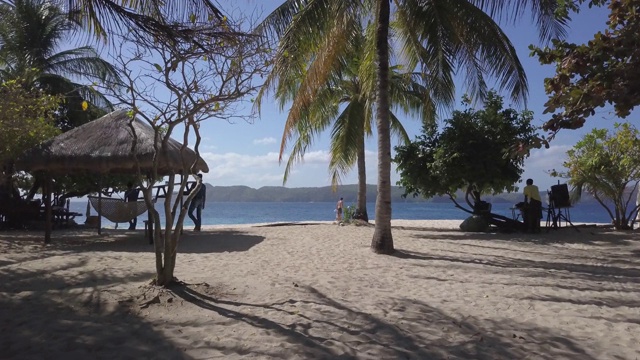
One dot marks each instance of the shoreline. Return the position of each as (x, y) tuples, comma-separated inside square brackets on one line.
[(452, 224)]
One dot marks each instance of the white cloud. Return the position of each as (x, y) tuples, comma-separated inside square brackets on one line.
[(317, 157), (240, 169), (256, 171), (541, 161), (265, 170), (265, 141)]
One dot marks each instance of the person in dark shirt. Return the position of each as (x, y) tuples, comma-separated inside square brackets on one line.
[(197, 204), (132, 195)]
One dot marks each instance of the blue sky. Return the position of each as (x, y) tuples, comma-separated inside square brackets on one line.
[(247, 153)]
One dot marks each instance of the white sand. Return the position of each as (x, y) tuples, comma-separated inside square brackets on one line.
[(317, 291)]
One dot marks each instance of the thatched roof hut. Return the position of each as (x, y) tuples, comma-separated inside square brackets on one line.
[(104, 146)]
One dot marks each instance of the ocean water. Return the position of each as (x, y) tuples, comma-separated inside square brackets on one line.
[(228, 213)]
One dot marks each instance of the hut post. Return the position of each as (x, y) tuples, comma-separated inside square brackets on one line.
[(148, 225), (182, 199), (181, 193), (99, 209), (46, 196)]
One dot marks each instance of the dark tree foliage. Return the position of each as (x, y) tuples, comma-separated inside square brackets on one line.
[(480, 151), (602, 72)]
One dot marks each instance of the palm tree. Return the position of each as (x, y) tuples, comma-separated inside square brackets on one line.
[(345, 100), (32, 35), (160, 20), (441, 37)]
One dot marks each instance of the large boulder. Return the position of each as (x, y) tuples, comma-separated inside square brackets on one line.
[(475, 223)]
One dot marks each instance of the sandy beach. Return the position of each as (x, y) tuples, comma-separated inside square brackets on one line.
[(317, 291)]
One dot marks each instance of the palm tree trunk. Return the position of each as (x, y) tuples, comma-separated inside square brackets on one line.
[(382, 242), (361, 210)]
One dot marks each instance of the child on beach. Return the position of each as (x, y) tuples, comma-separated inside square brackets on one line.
[(339, 206)]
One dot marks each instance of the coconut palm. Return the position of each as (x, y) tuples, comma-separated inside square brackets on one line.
[(193, 22), (32, 36), (440, 37), (345, 101)]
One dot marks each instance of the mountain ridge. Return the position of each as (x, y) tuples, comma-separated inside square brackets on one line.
[(243, 193)]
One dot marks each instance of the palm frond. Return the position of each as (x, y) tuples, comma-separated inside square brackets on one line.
[(457, 34), (83, 62), (347, 129), (542, 12), (56, 84), (160, 19)]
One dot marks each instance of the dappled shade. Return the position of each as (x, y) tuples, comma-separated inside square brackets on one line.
[(105, 146)]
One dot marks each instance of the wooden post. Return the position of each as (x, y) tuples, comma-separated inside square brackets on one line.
[(46, 197), (149, 222), (100, 211)]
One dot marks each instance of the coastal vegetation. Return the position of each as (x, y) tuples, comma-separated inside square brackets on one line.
[(26, 119), (601, 72), (606, 165), (47, 84), (474, 151), (35, 37)]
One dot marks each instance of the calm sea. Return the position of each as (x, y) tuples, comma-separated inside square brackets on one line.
[(225, 213)]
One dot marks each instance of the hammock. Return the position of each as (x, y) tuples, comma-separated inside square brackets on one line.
[(117, 210)]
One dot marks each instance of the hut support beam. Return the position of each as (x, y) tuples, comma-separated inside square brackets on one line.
[(46, 195), (99, 209)]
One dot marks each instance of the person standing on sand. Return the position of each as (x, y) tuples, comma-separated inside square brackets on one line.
[(197, 204), (533, 208), (339, 207), (132, 195)]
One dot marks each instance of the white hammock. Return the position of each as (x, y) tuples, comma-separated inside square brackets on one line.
[(117, 210)]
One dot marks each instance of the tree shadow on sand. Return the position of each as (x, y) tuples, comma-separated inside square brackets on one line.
[(313, 325), (609, 273), (212, 241), (47, 315), (587, 236)]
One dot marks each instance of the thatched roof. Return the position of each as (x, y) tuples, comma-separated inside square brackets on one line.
[(104, 146)]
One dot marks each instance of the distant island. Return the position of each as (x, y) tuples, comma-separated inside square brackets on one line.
[(240, 193)]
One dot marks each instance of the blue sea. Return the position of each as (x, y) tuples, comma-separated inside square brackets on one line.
[(229, 213)]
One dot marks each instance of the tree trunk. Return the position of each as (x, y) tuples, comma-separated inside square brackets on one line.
[(382, 242), (167, 249), (37, 183), (361, 209)]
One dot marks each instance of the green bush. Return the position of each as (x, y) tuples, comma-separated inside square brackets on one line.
[(349, 211)]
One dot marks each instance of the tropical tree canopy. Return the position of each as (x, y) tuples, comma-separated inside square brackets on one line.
[(33, 34), (604, 71), (162, 20), (472, 152), (343, 102), (26, 119), (606, 165)]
